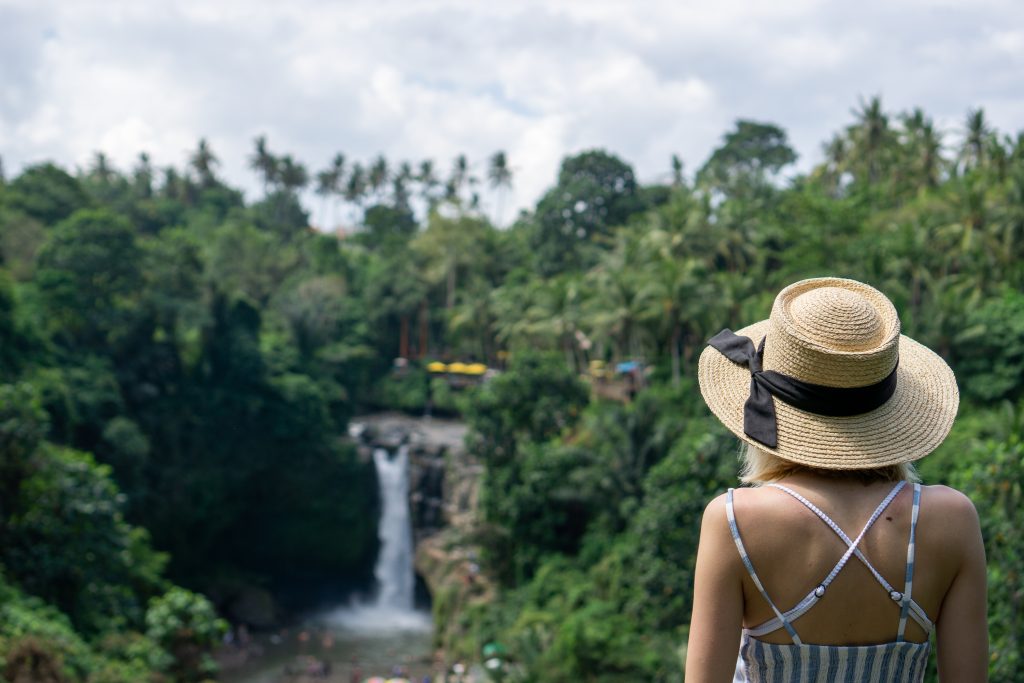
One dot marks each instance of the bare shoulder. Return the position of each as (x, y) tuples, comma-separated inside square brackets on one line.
[(716, 552), (949, 523), (744, 498), (759, 501), (714, 511), (714, 525), (948, 506)]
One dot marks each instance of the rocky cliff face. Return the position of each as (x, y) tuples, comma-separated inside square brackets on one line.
[(444, 486), (442, 476)]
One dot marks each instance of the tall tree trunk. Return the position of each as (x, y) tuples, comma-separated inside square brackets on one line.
[(423, 329), (403, 337), (497, 210)]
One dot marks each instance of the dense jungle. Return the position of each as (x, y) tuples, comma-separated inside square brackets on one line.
[(179, 365)]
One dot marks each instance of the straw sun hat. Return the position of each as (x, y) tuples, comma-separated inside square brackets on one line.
[(867, 395)]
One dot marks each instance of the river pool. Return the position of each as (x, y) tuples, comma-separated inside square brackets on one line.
[(286, 657)]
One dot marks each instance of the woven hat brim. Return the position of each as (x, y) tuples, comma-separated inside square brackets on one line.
[(909, 426)]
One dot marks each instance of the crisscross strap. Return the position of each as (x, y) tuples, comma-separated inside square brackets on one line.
[(908, 586), (731, 515), (818, 592), (914, 610)]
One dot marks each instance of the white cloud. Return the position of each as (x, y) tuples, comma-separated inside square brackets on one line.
[(436, 78)]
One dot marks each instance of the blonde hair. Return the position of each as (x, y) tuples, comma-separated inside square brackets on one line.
[(761, 467)]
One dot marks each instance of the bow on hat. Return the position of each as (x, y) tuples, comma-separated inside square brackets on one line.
[(759, 420)]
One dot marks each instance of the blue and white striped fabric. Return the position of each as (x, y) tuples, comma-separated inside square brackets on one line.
[(899, 661)]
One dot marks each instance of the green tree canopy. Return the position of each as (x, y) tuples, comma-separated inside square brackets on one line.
[(89, 276), (750, 156), (596, 191), (46, 193)]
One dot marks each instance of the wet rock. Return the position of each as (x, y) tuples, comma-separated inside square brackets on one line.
[(364, 453)]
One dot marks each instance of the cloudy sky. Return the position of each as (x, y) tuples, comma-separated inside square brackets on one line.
[(417, 79)]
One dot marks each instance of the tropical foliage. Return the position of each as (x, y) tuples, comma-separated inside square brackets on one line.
[(178, 366)]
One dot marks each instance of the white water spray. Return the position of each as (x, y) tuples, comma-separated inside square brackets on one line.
[(393, 605), (394, 571)]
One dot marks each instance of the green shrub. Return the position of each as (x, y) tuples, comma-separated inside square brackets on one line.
[(185, 625), (989, 351), (69, 543), (405, 391)]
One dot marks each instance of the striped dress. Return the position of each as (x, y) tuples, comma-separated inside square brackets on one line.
[(799, 662)]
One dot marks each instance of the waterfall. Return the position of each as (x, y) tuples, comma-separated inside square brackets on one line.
[(394, 570), (392, 607)]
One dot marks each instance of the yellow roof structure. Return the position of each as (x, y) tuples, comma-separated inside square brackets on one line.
[(476, 369), (437, 366), (457, 367)]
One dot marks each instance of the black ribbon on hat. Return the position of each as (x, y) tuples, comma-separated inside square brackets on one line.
[(759, 421)]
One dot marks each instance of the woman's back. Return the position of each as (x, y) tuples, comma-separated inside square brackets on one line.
[(792, 550)]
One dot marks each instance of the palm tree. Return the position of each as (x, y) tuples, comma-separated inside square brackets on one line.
[(1007, 224), (378, 176), (472, 321), (966, 240), (264, 163), (541, 314), (338, 167), (616, 309), (837, 157), (443, 251), (328, 181), (508, 302), (293, 175), (101, 170), (500, 176), (999, 155), (458, 180), (355, 189), (924, 145), (909, 262), (338, 171), (872, 137), (1016, 149), (400, 185), (176, 186), (972, 152), (325, 181), (668, 292), (203, 161), (144, 176), (677, 171), (427, 178), (930, 149), (555, 317)]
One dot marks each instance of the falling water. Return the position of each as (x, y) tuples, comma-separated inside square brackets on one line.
[(394, 571), (392, 606), (379, 631)]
